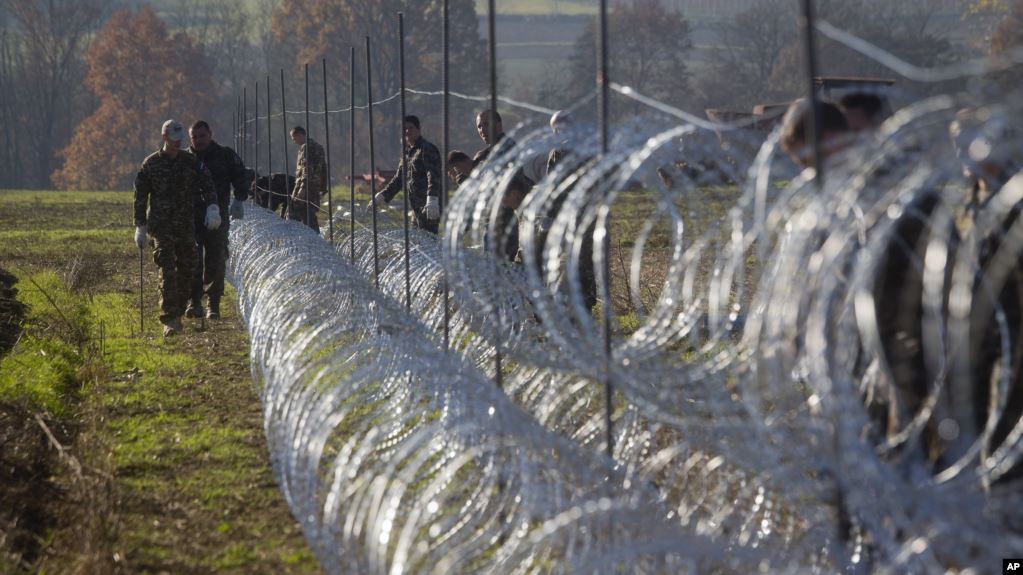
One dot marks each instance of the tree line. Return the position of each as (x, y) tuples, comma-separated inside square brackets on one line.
[(85, 84)]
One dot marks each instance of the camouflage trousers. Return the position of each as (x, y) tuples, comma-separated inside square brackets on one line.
[(304, 212), (176, 257), (212, 254)]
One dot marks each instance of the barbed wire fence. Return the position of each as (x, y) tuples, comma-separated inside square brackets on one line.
[(432, 406)]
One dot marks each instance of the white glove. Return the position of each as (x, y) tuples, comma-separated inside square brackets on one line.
[(381, 201), (432, 209), (212, 217), (140, 236), (237, 210)]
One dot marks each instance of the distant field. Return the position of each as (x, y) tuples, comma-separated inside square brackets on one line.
[(519, 7)]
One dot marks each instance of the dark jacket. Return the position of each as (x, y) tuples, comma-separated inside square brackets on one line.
[(228, 172), (423, 161)]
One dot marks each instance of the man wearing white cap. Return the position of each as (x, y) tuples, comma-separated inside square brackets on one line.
[(167, 188)]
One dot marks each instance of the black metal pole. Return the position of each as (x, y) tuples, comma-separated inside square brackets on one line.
[(309, 135), (255, 132), (351, 150), (491, 122), (372, 161), (287, 166), (245, 123), (269, 145), (846, 522), (445, 111), (404, 165), (269, 148), (326, 130), (492, 44), (238, 124), (252, 156), (142, 289), (813, 131), (602, 81)]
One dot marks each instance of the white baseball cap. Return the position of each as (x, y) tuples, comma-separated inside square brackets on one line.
[(174, 130)]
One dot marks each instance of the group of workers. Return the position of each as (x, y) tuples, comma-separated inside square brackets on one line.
[(182, 194)]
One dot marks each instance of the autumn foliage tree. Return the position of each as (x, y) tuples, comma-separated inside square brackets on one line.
[(1008, 36), (142, 74)]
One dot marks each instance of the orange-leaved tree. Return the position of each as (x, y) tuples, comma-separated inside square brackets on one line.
[(142, 74)]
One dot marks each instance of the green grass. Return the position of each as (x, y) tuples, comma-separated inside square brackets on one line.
[(41, 372), (172, 441), (43, 369), (173, 424)]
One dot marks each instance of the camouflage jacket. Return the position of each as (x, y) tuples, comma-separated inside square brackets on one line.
[(310, 169), (423, 161), (167, 190), (228, 172)]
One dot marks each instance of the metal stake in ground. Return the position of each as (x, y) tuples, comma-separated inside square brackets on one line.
[(491, 122), (238, 124), (287, 167), (604, 94), (445, 110), (846, 521), (269, 148), (807, 23), (351, 150), (326, 130), (372, 162), (404, 165), (309, 129), (142, 282), (245, 125), (255, 129)]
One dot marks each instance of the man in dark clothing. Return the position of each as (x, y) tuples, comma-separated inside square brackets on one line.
[(272, 191), (490, 136), (228, 172), (459, 166), (168, 187), (864, 111), (795, 136), (491, 130), (421, 160)]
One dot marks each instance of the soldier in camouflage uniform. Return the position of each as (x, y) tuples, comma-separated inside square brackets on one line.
[(422, 160), (228, 172), (167, 188), (310, 179)]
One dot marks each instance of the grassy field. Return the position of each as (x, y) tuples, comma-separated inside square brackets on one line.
[(163, 465)]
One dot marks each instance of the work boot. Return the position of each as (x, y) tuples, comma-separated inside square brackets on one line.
[(172, 327), (214, 311), (194, 309)]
